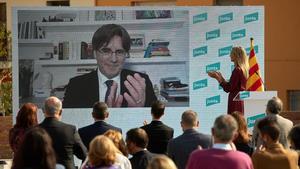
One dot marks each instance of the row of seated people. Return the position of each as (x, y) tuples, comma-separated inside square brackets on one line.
[(146, 142)]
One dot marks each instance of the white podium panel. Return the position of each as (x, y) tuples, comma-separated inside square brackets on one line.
[(254, 105)]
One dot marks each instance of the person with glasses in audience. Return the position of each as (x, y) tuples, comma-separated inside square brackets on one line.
[(111, 83)]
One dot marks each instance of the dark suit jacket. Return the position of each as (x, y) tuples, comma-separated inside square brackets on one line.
[(141, 159), (180, 148), (83, 91), (66, 141), (89, 132), (159, 135)]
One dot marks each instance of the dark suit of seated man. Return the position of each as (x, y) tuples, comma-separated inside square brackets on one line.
[(65, 138), (158, 133), (111, 83), (100, 113)]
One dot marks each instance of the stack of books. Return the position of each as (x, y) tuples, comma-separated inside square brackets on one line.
[(172, 88), (157, 47)]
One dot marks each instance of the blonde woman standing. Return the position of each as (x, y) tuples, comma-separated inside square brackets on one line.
[(238, 78)]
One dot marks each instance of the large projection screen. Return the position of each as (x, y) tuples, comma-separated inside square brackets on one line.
[(52, 45)]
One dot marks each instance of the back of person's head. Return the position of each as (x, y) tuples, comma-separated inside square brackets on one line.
[(52, 106), (106, 32), (100, 110), (243, 136), (241, 59), (161, 162), (137, 136), (294, 137), (102, 151), (36, 151), (117, 139), (269, 126), (274, 105), (189, 119), (225, 127), (27, 116), (157, 109)]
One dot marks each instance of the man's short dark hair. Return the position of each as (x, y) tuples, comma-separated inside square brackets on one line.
[(100, 110), (106, 32), (274, 105), (137, 136), (269, 126), (294, 136), (189, 118), (157, 108)]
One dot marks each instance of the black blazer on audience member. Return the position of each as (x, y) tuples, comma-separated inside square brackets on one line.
[(66, 141), (89, 132), (159, 135), (141, 159), (180, 148)]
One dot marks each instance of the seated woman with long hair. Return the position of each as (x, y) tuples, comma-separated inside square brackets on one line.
[(36, 151), (25, 120), (117, 139), (242, 142), (102, 154)]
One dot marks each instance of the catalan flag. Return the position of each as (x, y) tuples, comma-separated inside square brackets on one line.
[(254, 82)]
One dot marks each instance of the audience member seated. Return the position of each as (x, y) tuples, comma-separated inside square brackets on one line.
[(36, 151), (274, 107), (161, 162), (66, 140), (100, 114), (158, 133), (272, 155), (180, 148), (223, 154), (294, 137), (242, 141), (116, 138), (136, 142), (102, 154), (26, 119)]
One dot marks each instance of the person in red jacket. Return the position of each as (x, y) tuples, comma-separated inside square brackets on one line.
[(238, 79)]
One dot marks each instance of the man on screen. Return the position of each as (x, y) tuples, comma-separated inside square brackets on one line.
[(111, 83)]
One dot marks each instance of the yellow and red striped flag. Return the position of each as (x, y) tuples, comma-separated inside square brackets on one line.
[(254, 82)]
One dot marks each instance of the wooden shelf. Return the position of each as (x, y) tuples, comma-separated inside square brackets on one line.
[(140, 24), (34, 41), (153, 60)]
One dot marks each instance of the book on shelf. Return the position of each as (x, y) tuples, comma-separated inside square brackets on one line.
[(30, 30), (157, 47), (173, 94), (86, 51)]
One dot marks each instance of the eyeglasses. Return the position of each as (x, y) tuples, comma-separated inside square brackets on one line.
[(109, 52)]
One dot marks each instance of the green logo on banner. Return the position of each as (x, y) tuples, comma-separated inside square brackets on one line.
[(225, 51), (213, 67), (244, 94), (226, 17), (213, 100), (200, 51), (213, 34), (255, 49), (200, 84), (251, 120), (251, 17), (238, 34), (199, 18)]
